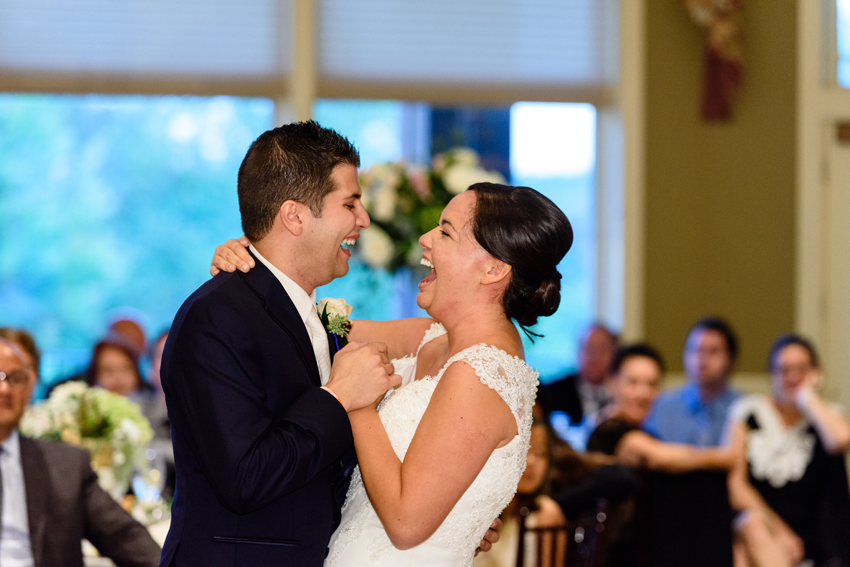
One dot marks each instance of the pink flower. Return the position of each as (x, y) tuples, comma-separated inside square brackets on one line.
[(419, 181)]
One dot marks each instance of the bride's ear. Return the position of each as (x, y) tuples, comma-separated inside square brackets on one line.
[(291, 214), (497, 272)]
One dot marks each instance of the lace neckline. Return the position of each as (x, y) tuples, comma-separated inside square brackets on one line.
[(776, 453), (437, 330)]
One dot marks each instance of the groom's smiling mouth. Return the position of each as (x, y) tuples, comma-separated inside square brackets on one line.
[(347, 243)]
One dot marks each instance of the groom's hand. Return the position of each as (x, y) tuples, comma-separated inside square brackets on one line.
[(361, 373), (491, 537)]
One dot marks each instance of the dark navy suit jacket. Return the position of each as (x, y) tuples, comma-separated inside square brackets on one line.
[(260, 451)]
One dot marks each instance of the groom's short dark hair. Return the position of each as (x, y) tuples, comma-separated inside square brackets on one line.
[(292, 162)]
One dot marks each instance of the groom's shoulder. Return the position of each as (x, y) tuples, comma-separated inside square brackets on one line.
[(226, 293)]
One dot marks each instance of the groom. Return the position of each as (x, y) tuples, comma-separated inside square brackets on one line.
[(261, 451)]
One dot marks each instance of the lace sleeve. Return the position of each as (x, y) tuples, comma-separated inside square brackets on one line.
[(514, 380), (434, 331)]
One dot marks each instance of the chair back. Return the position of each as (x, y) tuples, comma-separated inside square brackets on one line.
[(580, 543)]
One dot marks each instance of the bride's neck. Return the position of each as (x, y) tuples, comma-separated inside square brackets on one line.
[(488, 326)]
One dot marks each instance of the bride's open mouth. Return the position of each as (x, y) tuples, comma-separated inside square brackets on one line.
[(431, 277)]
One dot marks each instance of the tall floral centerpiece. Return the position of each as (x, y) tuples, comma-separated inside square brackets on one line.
[(110, 426), (405, 201)]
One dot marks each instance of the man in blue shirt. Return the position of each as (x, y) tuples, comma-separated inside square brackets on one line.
[(695, 413)]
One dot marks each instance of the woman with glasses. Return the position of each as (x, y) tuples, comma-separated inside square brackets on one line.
[(790, 479)]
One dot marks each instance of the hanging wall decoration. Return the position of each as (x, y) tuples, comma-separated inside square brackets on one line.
[(724, 65)]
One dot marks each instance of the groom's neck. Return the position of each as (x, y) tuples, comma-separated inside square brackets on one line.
[(281, 257)]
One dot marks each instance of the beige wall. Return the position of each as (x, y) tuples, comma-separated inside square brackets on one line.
[(720, 196)]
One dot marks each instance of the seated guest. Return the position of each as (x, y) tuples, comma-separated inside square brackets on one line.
[(581, 395), (558, 484), (51, 499), (636, 375), (696, 412), (29, 350), (530, 505), (791, 479), (127, 323), (114, 366)]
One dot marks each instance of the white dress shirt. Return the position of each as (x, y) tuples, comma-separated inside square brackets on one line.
[(306, 306), (15, 548)]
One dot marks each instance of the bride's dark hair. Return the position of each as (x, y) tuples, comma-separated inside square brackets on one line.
[(527, 231)]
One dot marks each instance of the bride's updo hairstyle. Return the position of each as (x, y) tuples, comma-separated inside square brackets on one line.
[(527, 231)]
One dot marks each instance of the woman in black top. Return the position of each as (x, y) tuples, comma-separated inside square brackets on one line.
[(636, 376), (790, 480)]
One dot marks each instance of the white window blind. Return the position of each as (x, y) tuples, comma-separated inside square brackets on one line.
[(161, 37), (545, 42), (436, 50)]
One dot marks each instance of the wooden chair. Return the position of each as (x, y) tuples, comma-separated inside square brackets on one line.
[(578, 544)]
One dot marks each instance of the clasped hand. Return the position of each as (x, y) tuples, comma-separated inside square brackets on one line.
[(361, 374)]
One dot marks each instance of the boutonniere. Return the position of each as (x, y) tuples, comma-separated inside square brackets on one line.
[(334, 316)]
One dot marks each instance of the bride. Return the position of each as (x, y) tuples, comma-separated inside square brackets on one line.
[(442, 455)]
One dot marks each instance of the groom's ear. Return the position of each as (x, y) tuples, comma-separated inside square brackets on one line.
[(497, 271), (292, 215)]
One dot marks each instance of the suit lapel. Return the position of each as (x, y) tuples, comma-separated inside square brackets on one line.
[(38, 489), (281, 309)]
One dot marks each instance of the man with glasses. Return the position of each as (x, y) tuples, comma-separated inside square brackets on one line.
[(50, 498)]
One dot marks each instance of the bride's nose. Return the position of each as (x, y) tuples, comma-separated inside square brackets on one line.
[(425, 239)]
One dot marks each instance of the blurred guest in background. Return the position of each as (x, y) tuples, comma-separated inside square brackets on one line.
[(125, 330), (581, 395), (636, 376), (51, 499), (127, 322), (29, 350), (585, 392), (695, 413), (114, 366), (790, 479)]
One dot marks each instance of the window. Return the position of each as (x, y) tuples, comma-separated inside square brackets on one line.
[(843, 42), (112, 202)]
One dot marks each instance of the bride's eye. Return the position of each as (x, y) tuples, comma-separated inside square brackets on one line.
[(443, 232)]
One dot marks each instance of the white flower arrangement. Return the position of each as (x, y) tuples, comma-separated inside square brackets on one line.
[(110, 426), (405, 201)]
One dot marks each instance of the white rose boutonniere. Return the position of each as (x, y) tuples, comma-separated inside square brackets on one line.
[(334, 315)]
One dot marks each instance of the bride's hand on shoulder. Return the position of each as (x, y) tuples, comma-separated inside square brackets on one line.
[(231, 254)]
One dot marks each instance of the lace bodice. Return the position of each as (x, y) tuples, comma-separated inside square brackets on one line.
[(776, 453), (361, 539)]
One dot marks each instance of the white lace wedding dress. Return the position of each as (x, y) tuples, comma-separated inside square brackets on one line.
[(361, 540)]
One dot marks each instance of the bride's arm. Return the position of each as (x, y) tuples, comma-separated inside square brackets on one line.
[(232, 254), (402, 337), (465, 421)]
